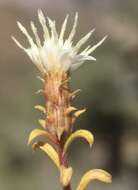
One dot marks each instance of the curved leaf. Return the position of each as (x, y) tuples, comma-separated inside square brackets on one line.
[(91, 175), (79, 134), (37, 145), (37, 133), (40, 108), (51, 152)]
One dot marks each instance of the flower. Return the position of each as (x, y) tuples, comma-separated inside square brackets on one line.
[(55, 53)]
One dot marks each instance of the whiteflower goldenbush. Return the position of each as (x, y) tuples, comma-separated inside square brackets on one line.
[(55, 58)]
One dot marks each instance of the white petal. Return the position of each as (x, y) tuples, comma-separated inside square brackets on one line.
[(35, 57), (85, 50), (42, 21), (63, 28), (73, 31), (18, 43), (24, 31), (96, 46), (56, 53), (34, 29), (83, 40), (80, 58), (76, 66), (53, 29), (90, 58)]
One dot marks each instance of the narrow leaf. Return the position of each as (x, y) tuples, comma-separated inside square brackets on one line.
[(51, 152), (42, 122), (79, 134), (37, 133), (79, 112), (73, 94), (37, 145), (70, 109), (91, 175), (41, 79), (40, 108), (60, 131), (39, 91)]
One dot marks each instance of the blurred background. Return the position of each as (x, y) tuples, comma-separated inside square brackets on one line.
[(109, 91)]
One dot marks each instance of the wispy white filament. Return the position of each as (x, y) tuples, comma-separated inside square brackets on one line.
[(56, 53)]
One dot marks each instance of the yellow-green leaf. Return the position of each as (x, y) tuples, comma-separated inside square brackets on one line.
[(79, 112), (39, 91), (70, 109), (60, 131), (79, 134), (65, 175), (95, 174), (37, 145), (73, 94), (40, 108), (37, 133), (51, 152), (42, 122), (41, 79)]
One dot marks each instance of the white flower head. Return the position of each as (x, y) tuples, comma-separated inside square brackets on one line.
[(55, 53)]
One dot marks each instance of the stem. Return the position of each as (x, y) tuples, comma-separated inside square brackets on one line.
[(58, 123), (57, 101), (67, 188), (63, 161)]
